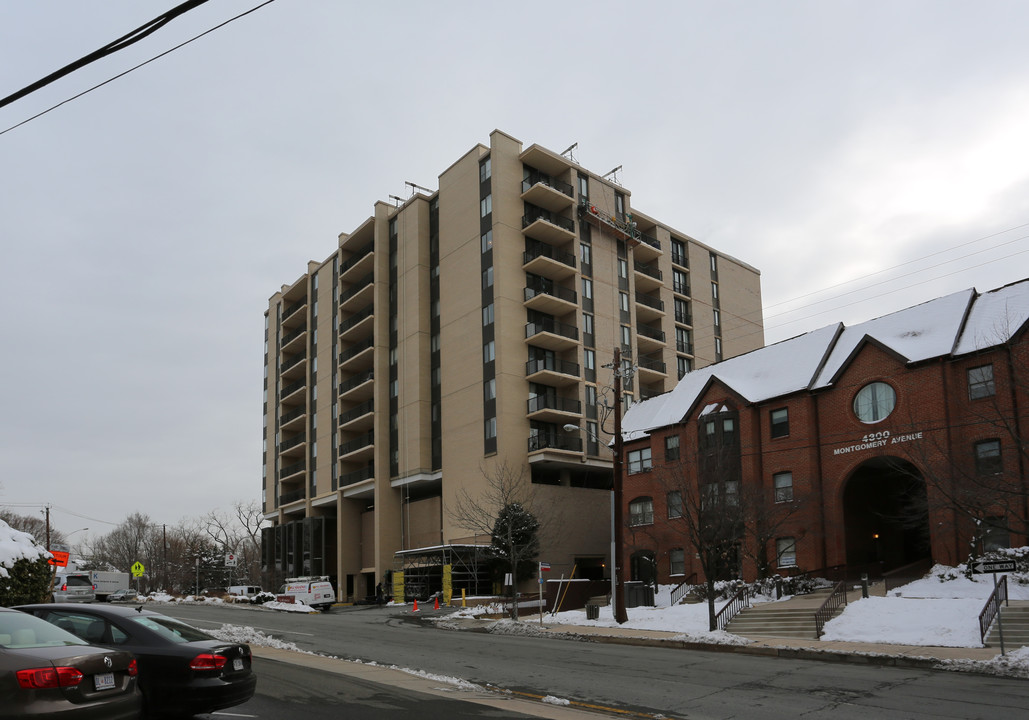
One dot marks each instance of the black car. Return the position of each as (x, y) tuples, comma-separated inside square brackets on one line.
[(48, 672), (182, 670)]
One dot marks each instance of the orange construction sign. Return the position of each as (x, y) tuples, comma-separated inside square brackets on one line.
[(59, 558)]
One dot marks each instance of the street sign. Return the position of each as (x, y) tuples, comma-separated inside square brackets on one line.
[(993, 566), (59, 558), (230, 560), (138, 569)]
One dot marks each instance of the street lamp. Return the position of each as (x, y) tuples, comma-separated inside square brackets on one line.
[(617, 522)]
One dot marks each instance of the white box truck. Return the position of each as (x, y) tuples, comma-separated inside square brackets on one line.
[(107, 582)]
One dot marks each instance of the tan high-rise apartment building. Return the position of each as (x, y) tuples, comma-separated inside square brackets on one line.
[(461, 332)]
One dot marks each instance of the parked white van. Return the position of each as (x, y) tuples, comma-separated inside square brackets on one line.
[(247, 591), (312, 591)]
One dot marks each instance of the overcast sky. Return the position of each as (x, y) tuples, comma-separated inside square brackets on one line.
[(145, 224)]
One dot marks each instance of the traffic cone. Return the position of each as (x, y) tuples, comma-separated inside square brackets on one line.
[(415, 605), (437, 603)]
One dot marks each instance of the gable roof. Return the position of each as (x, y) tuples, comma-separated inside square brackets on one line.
[(954, 324)]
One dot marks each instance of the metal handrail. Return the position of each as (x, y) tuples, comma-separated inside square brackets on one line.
[(682, 589), (837, 598), (739, 602), (992, 608)]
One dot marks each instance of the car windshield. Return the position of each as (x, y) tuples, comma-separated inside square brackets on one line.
[(171, 629), (20, 630)]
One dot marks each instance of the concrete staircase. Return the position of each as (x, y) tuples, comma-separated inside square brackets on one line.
[(1015, 619), (760, 622)]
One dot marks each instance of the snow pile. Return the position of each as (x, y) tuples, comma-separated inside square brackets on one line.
[(551, 700), (244, 634), (945, 582), (289, 607), (903, 621), (15, 545)]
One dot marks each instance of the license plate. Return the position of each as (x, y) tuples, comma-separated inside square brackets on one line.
[(104, 681), (237, 664)]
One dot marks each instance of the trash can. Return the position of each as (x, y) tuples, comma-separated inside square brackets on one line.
[(592, 611)]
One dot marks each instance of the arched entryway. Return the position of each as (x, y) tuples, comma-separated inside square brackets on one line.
[(886, 516)]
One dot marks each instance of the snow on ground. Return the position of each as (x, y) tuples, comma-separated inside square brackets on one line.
[(902, 621)]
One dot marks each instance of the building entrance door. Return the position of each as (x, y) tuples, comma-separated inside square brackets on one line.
[(886, 516)]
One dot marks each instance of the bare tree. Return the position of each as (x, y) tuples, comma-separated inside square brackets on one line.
[(237, 532), (506, 513), (34, 526)]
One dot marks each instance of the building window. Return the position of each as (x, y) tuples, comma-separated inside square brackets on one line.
[(491, 428), (780, 422), (679, 252), (639, 461), (783, 487), (987, 457), (641, 512), (626, 336), (995, 534), (489, 352), (716, 316), (487, 241), (586, 254), (874, 402), (487, 315), (682, 340), (486, 206), (489, 391), (485, 170), (674, 501), (980, 382), (679, 282), (683, 365), (623, 269), (587, 288), (676, 562), (786, 552), (682, 312), (623, 302), (672, 447), (714, 291), (718, 349), (587, 323), (584, 186), (487, 277)]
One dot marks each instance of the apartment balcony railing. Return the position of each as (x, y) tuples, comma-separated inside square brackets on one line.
[(357, 476), (553, 365), (547, 251), (649, 240), (354, 351), (684, 318), (683, 288), (679, 259), (684, 347), (555, 327), (652, 364), (292, 335), (649, 331), (549, 217), (291, 388), (292, 496), (292, 469), (358, 255), (560, 404), (647, 269), (357, 287), (357, 444), (292, 415), (356, 412), (354, 320), (293, 441), (540, 178), (553, 442), (290, 362), (551, 290), (348, 385), (291, 309), (650, 301)]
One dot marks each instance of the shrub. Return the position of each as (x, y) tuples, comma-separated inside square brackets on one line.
[(26, 581)]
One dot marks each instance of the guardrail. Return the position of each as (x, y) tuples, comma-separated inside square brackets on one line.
[(992, 608), (739, 602), (837, 598)]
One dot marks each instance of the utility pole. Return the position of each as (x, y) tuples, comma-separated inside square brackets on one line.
[(619, 598)]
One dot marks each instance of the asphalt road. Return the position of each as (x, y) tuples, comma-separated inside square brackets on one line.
[(651, 681)]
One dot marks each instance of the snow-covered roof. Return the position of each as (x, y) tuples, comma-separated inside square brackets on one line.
[(954, 324), (15, 545)]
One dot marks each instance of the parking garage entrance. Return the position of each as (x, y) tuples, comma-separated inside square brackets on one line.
[(886, 516)]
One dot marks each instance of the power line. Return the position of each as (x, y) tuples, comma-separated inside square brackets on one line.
[(134, 68)]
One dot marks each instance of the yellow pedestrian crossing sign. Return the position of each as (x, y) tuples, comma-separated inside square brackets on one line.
[(138, 569)]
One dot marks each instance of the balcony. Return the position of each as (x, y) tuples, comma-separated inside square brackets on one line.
[(356, 476), (647, 276), (358, 294), (358, 418), (547, 261), (360, 448), (357, 326), (649, 336), (357, 357), (358, 264), (293, 419), (548, 297), (649, 307), (292, 315), (295, 446), (293, 471), (684, 318), (551, 334), (684, 346), (651, 369), (294, 340), (548, 227), (293, 367), (357, 388), (549, 408), (551, 371), (553, 442), (544, 191), (291, 389), (292, 496)]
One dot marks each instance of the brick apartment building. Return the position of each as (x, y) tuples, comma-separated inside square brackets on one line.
[(845, 450)]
